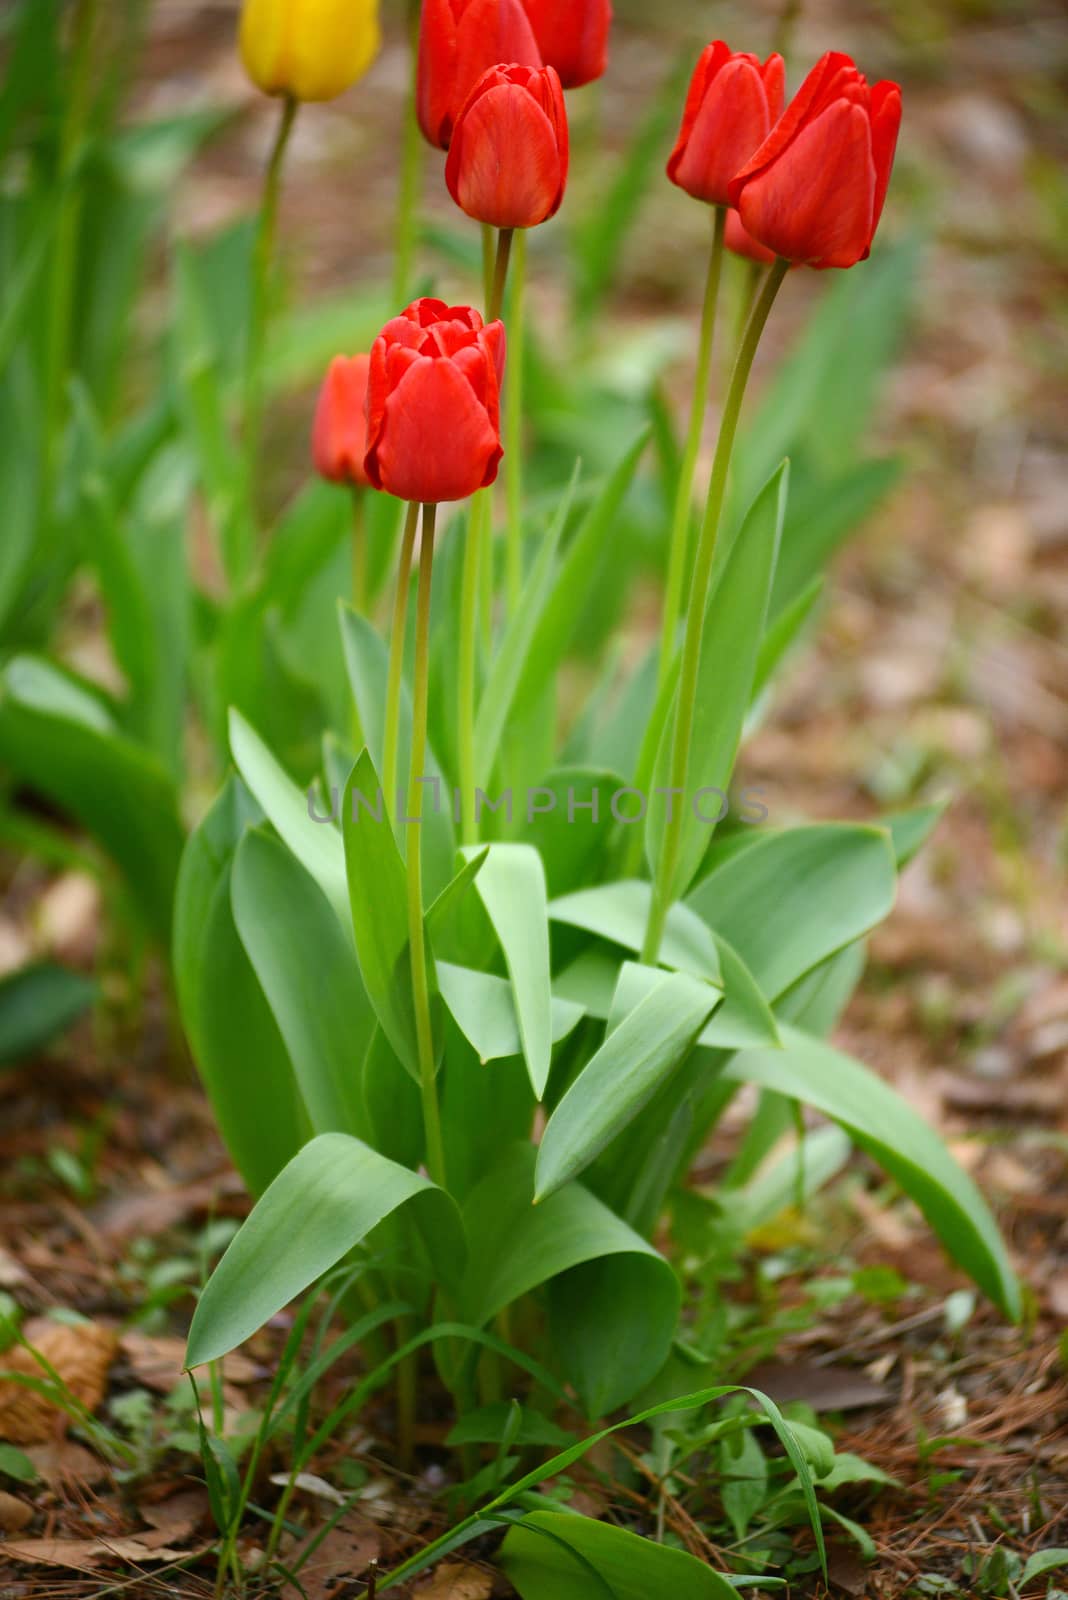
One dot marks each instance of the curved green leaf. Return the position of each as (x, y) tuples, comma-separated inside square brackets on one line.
[(886, 1126), (60, 739), (316, 845), (551, 1555), (308, 973), (619, 912), (613, 1300), (234, 1039), (327, 1199), (37, 1003), (730, 650), (829, 883), (483, 1008), (636, 1059), (511, 886)]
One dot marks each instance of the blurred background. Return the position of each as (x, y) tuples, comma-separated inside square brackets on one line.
[(938, 670)]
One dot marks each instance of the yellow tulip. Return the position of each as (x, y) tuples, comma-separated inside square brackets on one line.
[(310, 49)]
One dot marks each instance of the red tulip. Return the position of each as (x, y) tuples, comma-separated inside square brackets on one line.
[(572, 36), (459, 40), (814, 191), (433, 407), (339, 435), (742, 243), (508, 158), (733, 104)]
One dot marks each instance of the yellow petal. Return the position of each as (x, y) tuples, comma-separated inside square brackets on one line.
[(311, 49)]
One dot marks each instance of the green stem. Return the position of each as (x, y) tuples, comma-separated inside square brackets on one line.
[(698, 604), (64, 262), (680, 526), (359, 550), (488, 251), (260, 298), (513, 422), (435, 1148), (391, 732), (474, 560), (495, 301), (407, 226)]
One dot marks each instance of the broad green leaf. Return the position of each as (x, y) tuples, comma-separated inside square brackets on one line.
[(730, 648), (316, 845), (744, 1018), (488, 1424), (783, 634), (378, 897), (510, 661), (59, 739), (484, 1108), (572, 827), (329, 1198), (555, 1555), (637, 1057), (590, 981), (613, 1300), (823, 513), (562, 615), (893, 1134), (308, 972), (368, 666), (38, 1003), (234, 1038), (511, 886), (829, 884), (910, 830), (483, 1008), (619, 913)]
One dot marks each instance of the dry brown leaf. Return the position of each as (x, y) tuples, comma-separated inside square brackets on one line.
[(159, 1363), (343, 1557), (15, 1514), (63, 1463), (81, 1354), (824, 1388), (456, 1580), (79, 1554), (172, 1521)]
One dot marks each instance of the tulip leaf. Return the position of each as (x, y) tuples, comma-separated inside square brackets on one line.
[(619, 912), (638, 1056), (514, 652), (37, 1004), (555, 1555), (613, 1301), (233, 1036), (830, 883), (560, 619), (887, 1128), (316, 845), (378, 895), (308, 972), (730, 651), (511, 886), (483, 1008), (60, 739), (329, 1197), (367, 662)]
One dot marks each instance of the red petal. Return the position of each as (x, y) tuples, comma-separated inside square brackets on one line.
[(815, 203), (436, 441), (807, 103), (732, 121), (885, 125), (504, 164)]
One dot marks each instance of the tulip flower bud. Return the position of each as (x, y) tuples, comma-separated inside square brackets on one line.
[(572, 36), (433, 403), (732, 106), (508, 158), (310, 49), (459, 40), (814, 190), (339, 434)]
